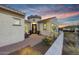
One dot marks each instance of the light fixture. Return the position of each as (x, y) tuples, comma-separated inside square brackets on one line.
[(34, 23)]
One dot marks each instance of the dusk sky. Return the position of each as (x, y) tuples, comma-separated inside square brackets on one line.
[(60, 11)]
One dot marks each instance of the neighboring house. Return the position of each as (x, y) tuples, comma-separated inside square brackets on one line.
[(11, 26), (35, 24)]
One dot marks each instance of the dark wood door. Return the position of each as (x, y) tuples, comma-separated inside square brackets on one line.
[(34, 28)]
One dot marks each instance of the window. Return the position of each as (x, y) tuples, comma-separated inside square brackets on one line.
[(44, 26), (53, 26), (17, 22)]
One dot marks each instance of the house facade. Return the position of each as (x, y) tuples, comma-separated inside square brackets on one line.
[(35, 24), (11, 26)]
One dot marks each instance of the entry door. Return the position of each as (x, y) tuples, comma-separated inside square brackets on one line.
[(34, 28)]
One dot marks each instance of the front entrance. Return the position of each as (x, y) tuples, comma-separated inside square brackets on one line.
[(34, 28)]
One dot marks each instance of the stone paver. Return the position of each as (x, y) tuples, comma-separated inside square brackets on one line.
[(13, 47), (31, 41), (35, 39)]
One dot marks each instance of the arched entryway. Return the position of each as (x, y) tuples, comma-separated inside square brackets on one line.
[(34, 28)]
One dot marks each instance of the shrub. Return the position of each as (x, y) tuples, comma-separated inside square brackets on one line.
[(47, 41)]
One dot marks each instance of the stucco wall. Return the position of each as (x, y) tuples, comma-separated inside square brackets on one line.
[(47, 31), (27, 27), (34, 20), (57, 46), (10, 34)]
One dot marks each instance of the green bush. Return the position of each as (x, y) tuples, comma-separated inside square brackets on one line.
[(47, 41)]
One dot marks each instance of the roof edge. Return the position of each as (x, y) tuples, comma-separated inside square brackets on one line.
[(12, 10)]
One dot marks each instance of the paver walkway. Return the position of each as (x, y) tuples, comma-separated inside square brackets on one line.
[(33, 40), (36, 48)]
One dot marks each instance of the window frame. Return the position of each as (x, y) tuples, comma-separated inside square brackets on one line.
[(18, 23), (44, 27)]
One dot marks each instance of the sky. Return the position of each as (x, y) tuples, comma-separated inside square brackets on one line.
[(61, 11)]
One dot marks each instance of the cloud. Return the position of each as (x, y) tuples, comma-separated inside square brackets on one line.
[(45, 11)]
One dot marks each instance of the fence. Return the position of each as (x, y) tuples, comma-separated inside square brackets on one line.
[(57, 46)]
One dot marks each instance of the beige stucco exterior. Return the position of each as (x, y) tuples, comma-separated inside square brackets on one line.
[(27, 26), (48, 28), (10, 33), (40, 25)]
